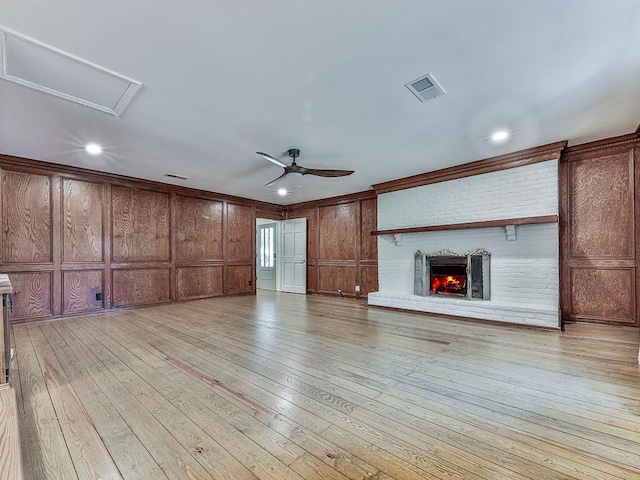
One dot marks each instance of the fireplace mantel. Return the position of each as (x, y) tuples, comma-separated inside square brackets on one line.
[(462, 226)]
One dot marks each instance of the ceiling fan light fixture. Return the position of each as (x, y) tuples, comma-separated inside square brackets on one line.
[(295, 170)]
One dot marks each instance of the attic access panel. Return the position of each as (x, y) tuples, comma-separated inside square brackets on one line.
[(41, 67)]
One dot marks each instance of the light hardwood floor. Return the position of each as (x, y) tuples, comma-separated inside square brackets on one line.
[(282, 386)]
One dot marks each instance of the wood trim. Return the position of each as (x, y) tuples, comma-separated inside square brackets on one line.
[(271, 215), (464, 226), (494, 164), (85, 174), (622, 141), (106, 251), (325, 202)]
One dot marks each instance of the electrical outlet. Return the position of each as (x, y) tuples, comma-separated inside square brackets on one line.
[(99, 296), (357, 288)]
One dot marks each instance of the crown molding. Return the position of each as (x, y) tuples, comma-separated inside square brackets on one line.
[(39, 166), (351, 197), (613, 143), (521, 158)]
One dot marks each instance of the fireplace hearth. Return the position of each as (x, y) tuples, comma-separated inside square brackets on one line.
[(453, 274)]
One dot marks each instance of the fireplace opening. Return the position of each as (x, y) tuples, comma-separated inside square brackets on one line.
[(451, 274), (448, 275)]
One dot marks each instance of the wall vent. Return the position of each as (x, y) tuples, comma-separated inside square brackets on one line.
[(173, 175), (44, 68), (425, 88)]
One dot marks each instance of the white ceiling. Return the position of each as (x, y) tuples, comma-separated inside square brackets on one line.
[(224, 79)]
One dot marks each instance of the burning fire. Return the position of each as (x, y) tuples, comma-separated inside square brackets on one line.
[(448, 283)]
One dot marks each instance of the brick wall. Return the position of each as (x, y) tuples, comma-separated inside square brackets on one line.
[(524, 272)]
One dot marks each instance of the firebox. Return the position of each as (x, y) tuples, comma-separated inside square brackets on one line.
[(452, 274), (448, 275)]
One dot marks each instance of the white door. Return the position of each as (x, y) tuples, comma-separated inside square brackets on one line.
[(266, 262), (294, 255)]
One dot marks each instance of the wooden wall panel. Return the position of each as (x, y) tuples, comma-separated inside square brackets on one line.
[(140, 286), (603, 294), (31, 294), (81, 221), (338, 227), (312, 221), (369, 223), (26, 218), (240, 232), (198, 229), (239, 277), (341, 249), (334, 278), (79, 289), (140, 225), (369, 279), (599, 210), (199, 282), (312, 278), (602, 207)]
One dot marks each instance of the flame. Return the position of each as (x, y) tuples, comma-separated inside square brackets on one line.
[(448, 283)]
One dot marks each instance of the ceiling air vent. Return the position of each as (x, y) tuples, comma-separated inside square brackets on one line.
[(173, 175), (425, 88)]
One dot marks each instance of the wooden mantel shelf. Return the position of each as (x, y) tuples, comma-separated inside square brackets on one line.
[(463, 226)]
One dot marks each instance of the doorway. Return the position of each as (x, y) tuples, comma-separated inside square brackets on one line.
[(266, 253), (281, 255)]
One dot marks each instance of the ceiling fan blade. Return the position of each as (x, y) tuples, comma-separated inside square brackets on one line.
[(324, 172), (275, 180), (272, 159)]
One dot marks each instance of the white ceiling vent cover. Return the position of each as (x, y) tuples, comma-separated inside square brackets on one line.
[(35, 65), (425, 88)]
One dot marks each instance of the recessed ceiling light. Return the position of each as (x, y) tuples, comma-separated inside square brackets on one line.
[(282, 192), (93, 149), (500, 136)]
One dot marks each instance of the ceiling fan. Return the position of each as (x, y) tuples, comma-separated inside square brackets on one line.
[(294, 168)]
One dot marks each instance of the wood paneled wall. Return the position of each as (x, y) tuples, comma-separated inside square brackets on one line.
[(76, 241), (599, 220), (341, 252)]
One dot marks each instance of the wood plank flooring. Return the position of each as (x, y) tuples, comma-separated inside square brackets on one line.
[(282, 386)]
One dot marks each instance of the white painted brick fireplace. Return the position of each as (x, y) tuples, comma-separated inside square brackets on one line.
[(524, 272)]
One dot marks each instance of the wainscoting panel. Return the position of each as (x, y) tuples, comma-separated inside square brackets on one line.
[(603, 294), (26, 217), (334, 278), (599, 219), (369, 279), (142, 286), (80, 289), (602, 207), (369, 222), (140, 228), (81, 221), (338, 227), (240, 232), (198, 229), (32, 295), (200, 282), (239, 279)]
